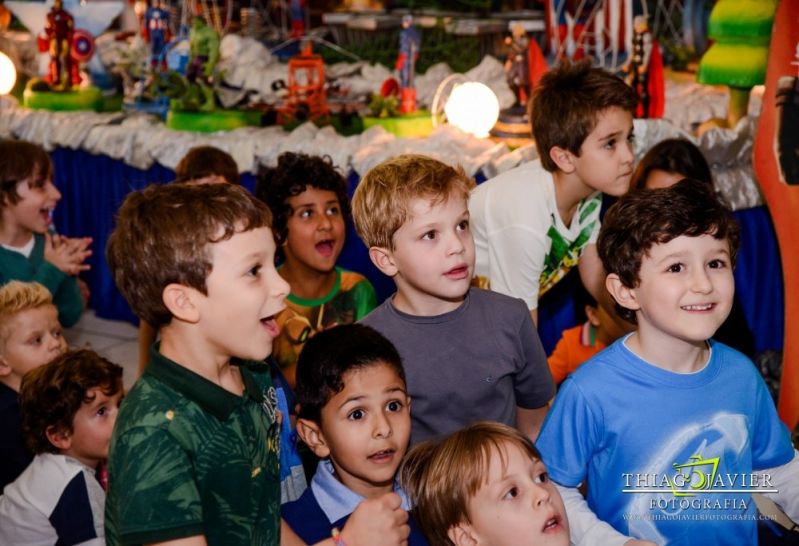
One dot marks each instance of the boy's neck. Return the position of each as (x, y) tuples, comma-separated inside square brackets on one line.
[(306, 283), (569, 191), (180, 344), (12, 381), (429, 307), (670, 354), (14, 235)]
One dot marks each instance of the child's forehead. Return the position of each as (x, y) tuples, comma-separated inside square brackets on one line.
[(386, 372)]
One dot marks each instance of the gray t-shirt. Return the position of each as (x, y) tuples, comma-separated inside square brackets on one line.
[(478, 362)]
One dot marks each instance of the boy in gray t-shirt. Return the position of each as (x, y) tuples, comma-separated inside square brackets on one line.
[(469, 354)]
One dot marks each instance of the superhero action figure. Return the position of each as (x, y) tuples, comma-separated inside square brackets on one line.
[(59, 28), (157, 32), (410, 41)]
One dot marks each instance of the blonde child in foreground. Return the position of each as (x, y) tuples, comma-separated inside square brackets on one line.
[(500, 494), (194, 456), (68, 407), (30, 336)]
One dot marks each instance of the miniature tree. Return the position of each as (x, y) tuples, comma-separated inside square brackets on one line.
[(741, 30)]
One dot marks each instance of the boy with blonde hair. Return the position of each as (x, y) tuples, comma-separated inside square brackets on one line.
[(469, 354), (500, 495), (30, 336), (535, 222), (194, 457), (672, 431)]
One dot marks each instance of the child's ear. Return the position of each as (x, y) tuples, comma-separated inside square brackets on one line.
[(59, 438), (624, 295), (383, 259), (312, 435), (592, 314), (5, 367), (462, 534), (563, 159), (180, 300)]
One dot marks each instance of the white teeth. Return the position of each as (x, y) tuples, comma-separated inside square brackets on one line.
[(703, 307)]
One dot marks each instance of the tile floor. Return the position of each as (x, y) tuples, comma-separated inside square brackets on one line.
[(115, 340)]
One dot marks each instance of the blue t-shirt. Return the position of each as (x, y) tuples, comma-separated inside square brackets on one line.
[(668, 457), (328, 503)]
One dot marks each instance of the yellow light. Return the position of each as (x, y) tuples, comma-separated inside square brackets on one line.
[(473, 108), (8, 74)]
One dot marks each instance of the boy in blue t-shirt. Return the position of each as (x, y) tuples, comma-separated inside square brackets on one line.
[(355, 416), (671, 430)]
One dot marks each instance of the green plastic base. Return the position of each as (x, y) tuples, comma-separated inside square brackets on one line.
[(211, 122), (85, 98), (734, 65), (418, 124)]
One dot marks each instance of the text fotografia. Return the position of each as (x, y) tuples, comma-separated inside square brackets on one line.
[(696, 477)]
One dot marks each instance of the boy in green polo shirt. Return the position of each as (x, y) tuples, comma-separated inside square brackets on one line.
[(194, 456)]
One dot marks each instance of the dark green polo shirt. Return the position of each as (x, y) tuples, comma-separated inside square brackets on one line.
[(188, 457)]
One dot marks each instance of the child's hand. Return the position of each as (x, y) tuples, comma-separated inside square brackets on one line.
[(378, 522), (67, 254)]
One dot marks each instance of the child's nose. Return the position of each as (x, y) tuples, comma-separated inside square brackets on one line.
[(382, 427), (541, 495), (53, 191), (701, 281)]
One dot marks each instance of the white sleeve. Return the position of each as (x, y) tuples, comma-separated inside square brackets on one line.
[(516, 260), (585, 528), (785, 479)]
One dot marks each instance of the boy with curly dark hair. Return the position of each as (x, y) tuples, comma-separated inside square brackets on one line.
[(666, 412), (309, 203), (68, 408)]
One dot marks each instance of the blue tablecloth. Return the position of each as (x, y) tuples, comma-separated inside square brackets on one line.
[(93, 188)]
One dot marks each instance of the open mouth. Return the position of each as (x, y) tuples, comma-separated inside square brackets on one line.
[(457, 273), (383, 456), (47, 214), (552, 525), (270, 325), (699, 307), (326, 247)]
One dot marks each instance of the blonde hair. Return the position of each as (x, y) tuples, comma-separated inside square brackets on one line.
[(440, 497), (382, 199), (17, 296)]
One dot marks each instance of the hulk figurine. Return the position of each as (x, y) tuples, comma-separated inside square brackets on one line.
[(204, 48)]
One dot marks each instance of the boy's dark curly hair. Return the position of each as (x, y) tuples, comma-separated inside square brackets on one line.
[(51, 395), (644, 218), (332, 353), (292, 176)]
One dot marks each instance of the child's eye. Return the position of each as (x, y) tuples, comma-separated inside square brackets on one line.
[(333, 211), (543, 477), (512, 493), (102, 411), (464, 225), (429, 236), (306, 213), (394, 405), (356, 415), (254, 270), (56, 333), (631, 138), (717, 264), (37, 340), (675, 268), (610, 144)]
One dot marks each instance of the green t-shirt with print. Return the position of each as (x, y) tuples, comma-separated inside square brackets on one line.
[(188, 457)]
